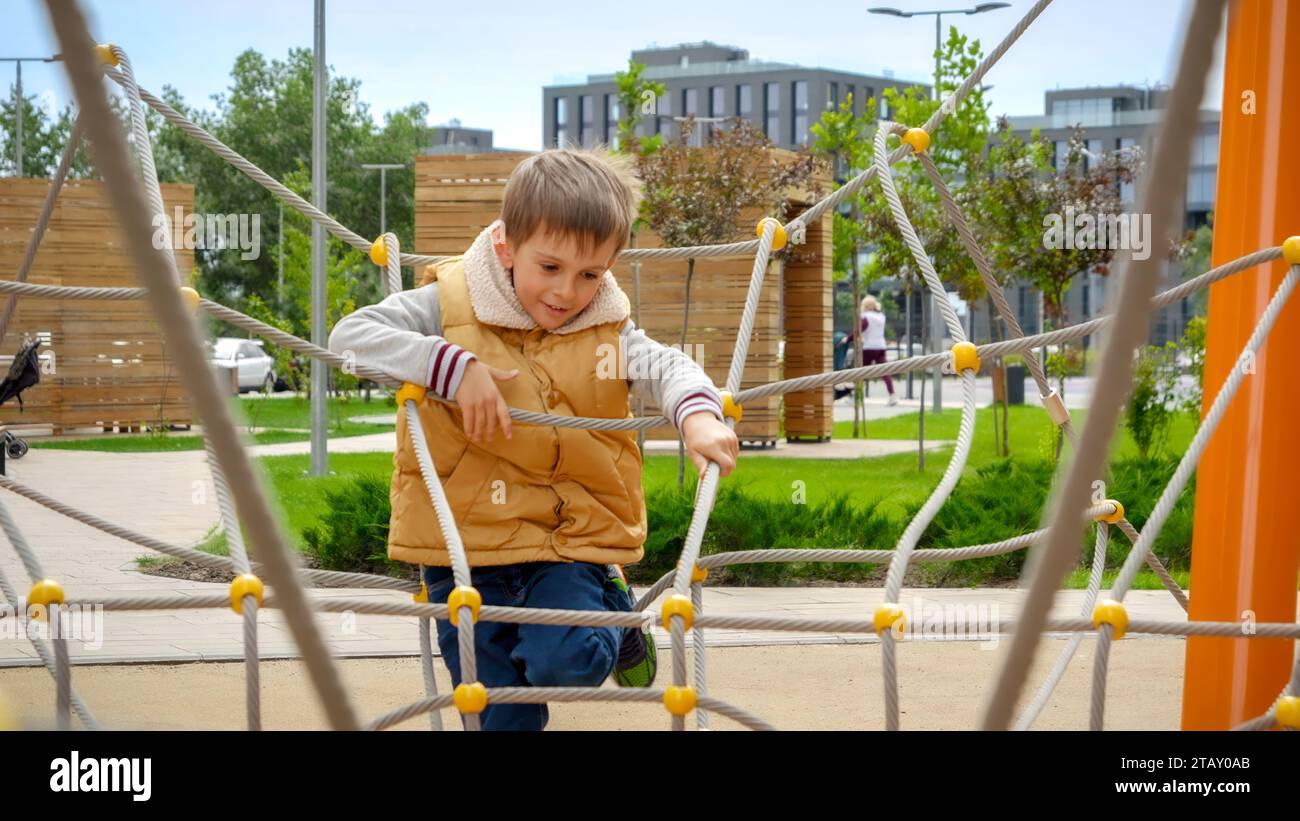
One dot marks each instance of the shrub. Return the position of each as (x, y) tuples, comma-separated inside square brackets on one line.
[(353, 534), (743, 522), (1152, 402)]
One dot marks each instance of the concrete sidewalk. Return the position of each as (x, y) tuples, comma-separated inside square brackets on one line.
[(169, 496)]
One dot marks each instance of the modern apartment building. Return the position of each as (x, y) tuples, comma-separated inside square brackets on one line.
[(1115, 118), (708, 80), (454, 138)]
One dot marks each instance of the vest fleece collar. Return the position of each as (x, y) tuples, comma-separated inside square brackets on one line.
[(493, 298)]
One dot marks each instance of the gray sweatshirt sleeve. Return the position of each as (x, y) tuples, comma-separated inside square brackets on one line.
[(667, 378), (401, 337)]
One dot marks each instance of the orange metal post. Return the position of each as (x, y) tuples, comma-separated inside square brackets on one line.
[(1246, 547)]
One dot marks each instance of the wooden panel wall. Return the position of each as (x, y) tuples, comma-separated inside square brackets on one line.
[(458, 195), (109, 365)]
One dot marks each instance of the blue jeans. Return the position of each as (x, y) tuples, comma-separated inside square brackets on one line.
[(536, 655)]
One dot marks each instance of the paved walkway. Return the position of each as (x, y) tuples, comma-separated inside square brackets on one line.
[(169, 496)]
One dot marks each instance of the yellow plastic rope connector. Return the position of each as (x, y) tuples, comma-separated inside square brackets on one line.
[(244, 585)]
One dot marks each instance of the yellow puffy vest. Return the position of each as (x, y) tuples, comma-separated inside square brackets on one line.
[(547, 494)]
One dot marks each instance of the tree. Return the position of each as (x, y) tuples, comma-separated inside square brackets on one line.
[(1019, 194), (637, 97), (956, 148), (695, 196), (45, 134)]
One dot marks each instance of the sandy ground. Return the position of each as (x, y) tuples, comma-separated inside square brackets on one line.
[(823, 687)]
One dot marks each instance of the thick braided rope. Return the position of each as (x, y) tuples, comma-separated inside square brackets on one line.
[(1063, 660), (143, 146), (968, 84), (1269, 719), (392, 264), (43, 220), (856, 556), (62, 670), (426, 669), (994, 289), (794, 228), (541, 695), (912, 534), (1100, 664), (333, 577), (182, 334), (1048, 564), (949, 105), (604, 618), (455, 548), (1187, 465), (446, 520), (248, 608), (699, 656), (919, 255), (1177, 483), (57, 665), (645, 423), (706, 491), (144, 150)]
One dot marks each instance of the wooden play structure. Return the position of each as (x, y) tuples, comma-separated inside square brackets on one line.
[(104, 363), (457, 195)]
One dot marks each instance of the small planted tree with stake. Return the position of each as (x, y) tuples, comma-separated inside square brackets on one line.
[(695, 195)]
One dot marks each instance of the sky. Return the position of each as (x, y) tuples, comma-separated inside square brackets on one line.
[(486, 63)]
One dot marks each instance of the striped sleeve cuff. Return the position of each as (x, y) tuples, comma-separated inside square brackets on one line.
[(447, 367), (695, 403)]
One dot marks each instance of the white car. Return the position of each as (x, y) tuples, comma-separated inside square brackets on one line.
[(255, 366)]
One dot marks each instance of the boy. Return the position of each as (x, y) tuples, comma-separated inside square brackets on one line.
[(531, 317)]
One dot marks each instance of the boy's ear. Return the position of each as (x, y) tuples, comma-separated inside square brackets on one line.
[(505, 254)]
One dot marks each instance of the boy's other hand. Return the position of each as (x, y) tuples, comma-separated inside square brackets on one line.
[(708, 440), (480, 401)]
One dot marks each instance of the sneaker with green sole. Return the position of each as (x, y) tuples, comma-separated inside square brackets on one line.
[(637, 655)]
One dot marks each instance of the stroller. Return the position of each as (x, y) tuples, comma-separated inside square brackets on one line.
[(24, 372)]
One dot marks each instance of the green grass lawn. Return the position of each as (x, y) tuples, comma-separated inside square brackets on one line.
[(893, 481), (277, 419), (1029, 430)]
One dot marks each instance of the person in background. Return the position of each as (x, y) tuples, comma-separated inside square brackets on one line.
[(871, 331)]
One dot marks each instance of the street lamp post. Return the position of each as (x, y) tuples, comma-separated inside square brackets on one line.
[(936, 326), (383, 169), (18, 104)]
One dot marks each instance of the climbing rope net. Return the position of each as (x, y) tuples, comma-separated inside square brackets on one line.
[(137, 198)]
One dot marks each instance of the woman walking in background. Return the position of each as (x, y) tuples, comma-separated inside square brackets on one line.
[(871, 331)]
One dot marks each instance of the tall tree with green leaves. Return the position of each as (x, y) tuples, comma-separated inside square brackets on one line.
[(956, 147)]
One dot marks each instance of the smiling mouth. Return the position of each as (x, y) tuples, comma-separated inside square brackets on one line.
[(554, 309)]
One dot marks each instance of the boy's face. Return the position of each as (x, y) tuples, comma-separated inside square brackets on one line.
[(553, 279)]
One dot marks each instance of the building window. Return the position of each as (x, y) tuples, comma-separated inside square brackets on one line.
[(561, 114), (717, 102), (1205, 149), (833, 96), (611, 120), (1127, 189), (664, 115), (799, 134), (691, 107), (1097, 111), (772, 111), (744, 101), (588, 119), (1095, 152), (1200, 185), (1062, 155)]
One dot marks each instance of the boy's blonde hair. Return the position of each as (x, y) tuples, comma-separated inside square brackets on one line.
[(870, 303), (590, 194)]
